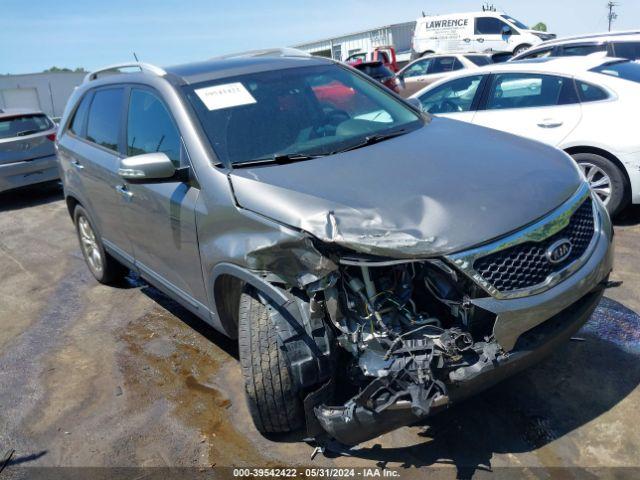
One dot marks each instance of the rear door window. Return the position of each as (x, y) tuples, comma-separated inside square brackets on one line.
[(581, 50), (150, 127), (630, 50), (103, 124), (445, 64), (23, 125), (527, 90), (79, 118), (479, 60)]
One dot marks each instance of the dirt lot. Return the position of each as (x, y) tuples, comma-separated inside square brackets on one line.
[(99, 376)]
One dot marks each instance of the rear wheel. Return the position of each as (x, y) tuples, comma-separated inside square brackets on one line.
[(102, 266), (605, 179), (272, 396)]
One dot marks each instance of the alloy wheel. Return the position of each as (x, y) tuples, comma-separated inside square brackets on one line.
[(598, 180), (89, 244)]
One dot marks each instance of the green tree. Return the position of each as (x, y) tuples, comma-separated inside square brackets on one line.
[(55, 69), (540, 26)]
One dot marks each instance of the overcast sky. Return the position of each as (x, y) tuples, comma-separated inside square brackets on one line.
[(35, 35)]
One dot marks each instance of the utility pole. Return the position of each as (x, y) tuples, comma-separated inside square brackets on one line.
[(612, 15)]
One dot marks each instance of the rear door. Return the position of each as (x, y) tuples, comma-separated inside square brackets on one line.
[(26, 137), (539, 106), (90, 155), (161, 219)]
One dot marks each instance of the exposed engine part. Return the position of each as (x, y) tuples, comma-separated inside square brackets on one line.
[(407, 328)]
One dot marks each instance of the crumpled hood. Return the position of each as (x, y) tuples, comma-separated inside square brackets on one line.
[(443, 188)]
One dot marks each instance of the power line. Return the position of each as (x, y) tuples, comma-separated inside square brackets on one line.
[(611, 15)]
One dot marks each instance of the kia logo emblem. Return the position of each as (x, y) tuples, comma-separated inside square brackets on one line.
[(559, 251)]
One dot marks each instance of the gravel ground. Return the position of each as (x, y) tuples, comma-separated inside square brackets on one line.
[(93, 376)]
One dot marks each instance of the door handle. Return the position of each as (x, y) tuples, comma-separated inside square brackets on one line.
[(77, 164), (549, 123), (124, 191), (480, 40)]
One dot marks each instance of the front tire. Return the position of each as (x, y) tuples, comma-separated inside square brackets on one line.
[(521, 48), (102, 266), (272, 396), (605, 179)]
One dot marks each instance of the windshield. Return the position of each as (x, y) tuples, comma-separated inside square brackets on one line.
[(625, 70), (23, 125), (299, 111), (517, 23)]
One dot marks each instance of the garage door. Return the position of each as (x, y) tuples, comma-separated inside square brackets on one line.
[(20, 98)]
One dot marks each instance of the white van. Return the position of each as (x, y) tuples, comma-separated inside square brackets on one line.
[(473, 32)]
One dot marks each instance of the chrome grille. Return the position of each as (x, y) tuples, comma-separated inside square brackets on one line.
[(525, 265)]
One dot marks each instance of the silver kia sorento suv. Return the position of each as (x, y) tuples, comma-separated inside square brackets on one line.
[(343, 237)]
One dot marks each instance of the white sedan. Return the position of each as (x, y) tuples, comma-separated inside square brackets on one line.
[(586, 106)]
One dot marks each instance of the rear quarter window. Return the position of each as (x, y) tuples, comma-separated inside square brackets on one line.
[(590, 93)]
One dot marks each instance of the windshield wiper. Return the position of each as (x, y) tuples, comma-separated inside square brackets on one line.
[(371, 139), (278, 159)]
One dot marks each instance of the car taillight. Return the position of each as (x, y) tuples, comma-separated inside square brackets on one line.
[(52, 137)]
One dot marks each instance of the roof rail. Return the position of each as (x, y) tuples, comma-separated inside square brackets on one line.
[(267, 52), (117, 68)]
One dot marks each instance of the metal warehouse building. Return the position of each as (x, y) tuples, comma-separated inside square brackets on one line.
[(47, 92), (339, 48)]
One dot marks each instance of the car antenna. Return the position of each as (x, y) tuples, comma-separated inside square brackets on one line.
[(136, 57)]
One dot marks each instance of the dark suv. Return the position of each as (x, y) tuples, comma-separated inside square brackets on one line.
[(342, 236)]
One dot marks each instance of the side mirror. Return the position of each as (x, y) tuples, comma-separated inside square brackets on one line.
[(400, 79), (148, 166), (414, 102), (506, 30)]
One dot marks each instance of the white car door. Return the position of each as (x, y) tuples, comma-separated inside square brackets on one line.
[(489, 34), (453, 99), (539, 106)]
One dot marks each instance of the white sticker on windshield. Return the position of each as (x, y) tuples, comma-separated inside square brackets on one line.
[(225, 96)]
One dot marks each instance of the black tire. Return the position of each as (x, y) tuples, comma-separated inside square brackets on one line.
[(111, 270), (521, 48), (273, 398), (619, 190)]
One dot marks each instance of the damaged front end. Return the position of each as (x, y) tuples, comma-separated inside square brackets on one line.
[(405, 328)]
